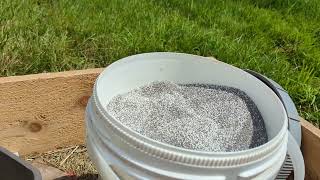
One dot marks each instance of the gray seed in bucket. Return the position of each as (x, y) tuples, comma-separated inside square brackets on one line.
[(192, 116)]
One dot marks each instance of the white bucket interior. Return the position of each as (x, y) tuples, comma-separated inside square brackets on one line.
[(138, 70)]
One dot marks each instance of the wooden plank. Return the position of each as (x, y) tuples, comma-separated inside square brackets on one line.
[(44, 111), (311, 149)]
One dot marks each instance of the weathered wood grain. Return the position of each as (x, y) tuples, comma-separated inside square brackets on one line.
[(44, 111), (311, 150)]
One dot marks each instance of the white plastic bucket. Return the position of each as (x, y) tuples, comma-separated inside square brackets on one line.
[(131, 155)]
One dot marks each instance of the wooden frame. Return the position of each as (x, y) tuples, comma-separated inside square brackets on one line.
[(45, 111)]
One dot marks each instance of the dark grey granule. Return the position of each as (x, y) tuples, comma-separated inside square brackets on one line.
[(192, 116)]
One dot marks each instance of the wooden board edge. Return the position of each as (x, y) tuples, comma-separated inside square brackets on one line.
[(51, 75), (310, 128), (310, 148)]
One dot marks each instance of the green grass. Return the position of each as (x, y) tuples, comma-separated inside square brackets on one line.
[(280, 39)]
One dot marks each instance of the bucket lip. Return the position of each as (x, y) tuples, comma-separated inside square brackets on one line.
[(134, 138)]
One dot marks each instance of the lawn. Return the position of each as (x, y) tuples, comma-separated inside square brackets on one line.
[(280, 39)]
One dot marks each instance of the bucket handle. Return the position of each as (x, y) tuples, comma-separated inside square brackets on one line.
[(296, 157)]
